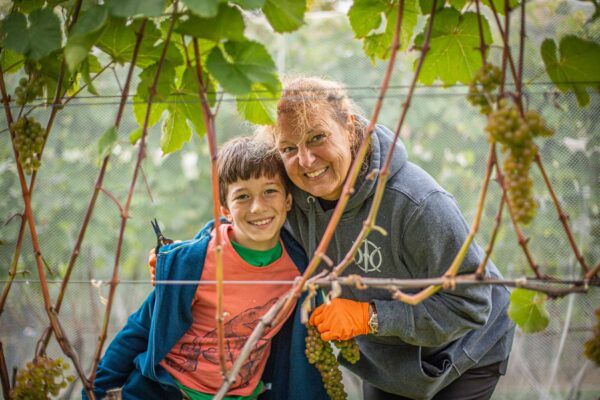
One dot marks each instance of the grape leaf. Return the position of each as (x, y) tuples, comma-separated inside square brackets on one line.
[(107, 142), (285, 15), (34, 36), (118, 41), (527, 309), (164, 84), (426, 6), (84, 34), (378, 45), (244, 64), (203, 8), (11, 61), (454, 54), (365, 15), (259, 106), (499, 5), (228, 24), (139, 111), (249, 4), (131, 8), (91, 64), (27, 6), (577, 67), (174, 131), (135, 135)]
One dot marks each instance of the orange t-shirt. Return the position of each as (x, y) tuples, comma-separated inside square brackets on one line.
[(194, 360)]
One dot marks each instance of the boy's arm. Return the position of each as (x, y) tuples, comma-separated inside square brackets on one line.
[(119, 359)]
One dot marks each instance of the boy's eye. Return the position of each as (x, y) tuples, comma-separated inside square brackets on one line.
[(271, 191), (242, 197)]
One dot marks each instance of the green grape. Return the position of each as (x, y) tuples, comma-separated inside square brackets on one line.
[(348, 349), (29, 138), (592, 346), (321, 355), (516, 133), (41, 378), (482, 87)]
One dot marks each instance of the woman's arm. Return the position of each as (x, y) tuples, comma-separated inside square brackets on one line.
[(430, 240)]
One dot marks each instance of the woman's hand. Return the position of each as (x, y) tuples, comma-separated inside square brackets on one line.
[(341, 319)]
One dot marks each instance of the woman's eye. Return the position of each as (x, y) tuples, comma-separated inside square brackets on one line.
[(318, 137), (286, 150)]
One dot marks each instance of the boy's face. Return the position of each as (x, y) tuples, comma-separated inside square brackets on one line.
[(257, 207)]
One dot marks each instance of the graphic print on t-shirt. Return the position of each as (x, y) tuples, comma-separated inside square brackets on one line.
[(237, 331)]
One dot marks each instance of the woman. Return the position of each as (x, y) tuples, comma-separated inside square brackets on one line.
[(453, 345)]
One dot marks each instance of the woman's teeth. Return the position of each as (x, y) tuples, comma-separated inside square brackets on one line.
[(315, 173)]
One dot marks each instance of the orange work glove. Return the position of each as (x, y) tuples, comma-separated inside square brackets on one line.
[(152, 265), (341, 319)]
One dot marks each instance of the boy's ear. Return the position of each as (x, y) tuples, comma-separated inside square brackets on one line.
[(225, 212), (288, 202)]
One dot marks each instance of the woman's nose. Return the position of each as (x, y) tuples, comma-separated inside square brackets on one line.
[(305, 157)]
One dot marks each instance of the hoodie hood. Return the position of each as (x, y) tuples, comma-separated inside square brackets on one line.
[(381, 143)]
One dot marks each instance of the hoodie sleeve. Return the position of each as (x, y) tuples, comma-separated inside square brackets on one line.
[(430, 240), (119, 359)]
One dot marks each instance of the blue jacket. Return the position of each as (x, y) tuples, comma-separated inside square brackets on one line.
[(132, 359)]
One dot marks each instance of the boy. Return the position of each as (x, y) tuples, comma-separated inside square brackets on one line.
[(168, 348)]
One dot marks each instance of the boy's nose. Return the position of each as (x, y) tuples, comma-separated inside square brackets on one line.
[(257, 206)]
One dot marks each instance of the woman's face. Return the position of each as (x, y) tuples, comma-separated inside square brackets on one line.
[(318, 159)]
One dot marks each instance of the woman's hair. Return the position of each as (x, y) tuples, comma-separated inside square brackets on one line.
[(305, 97), (245, 157)]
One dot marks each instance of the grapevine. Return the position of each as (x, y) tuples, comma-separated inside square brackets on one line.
[(516, 133), (29, 142), (40, 378), (592, 346), (321, 354)]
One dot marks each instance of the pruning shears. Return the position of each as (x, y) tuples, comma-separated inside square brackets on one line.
[(161, 240)]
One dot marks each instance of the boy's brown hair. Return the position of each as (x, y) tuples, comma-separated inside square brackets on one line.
[(248, 157)]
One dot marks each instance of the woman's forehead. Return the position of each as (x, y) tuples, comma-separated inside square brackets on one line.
[(298, 128)]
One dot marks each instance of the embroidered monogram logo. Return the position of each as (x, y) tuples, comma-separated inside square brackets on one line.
[(368, 257)]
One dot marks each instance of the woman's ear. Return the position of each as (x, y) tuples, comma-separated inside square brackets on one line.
[(225, 212)]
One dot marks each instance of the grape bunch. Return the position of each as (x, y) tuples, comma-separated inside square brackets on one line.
[(29, 142), (28, 90), (40, 378), (348, 349), (321, 354), (516, 133), (482, 87), (592, 346)]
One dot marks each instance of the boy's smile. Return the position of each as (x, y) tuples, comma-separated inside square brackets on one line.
[(257, 208)]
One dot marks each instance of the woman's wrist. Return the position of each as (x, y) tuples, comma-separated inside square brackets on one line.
[(373, 319)]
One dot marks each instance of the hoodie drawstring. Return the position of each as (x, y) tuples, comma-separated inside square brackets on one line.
[(312, 218)]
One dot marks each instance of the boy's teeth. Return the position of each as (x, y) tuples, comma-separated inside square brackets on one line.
[(315, 173), (262, 222)]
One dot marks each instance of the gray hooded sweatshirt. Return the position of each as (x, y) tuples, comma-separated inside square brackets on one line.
[(418, 349)]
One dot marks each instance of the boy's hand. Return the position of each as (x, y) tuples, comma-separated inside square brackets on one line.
[(341, 319), (152, 265)]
